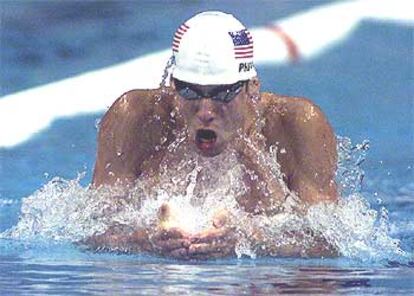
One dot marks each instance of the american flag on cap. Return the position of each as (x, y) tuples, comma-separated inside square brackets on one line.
[(243, 44), (178, 36)]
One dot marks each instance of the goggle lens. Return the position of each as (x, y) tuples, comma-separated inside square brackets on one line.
[(223, 93)]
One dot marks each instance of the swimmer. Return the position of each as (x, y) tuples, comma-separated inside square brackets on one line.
[(214, 95)]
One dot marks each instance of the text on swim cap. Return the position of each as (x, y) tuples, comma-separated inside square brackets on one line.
[(245, 67)]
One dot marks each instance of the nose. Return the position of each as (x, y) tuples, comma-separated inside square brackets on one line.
[(206, 112)]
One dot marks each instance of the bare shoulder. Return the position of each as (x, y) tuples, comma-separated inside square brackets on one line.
[(129, 130), (132, 104), (298, 120), (296, 110), (135, 109)]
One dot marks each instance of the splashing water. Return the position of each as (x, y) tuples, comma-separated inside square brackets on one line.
[(167, 72), (350, 157), (65, 211)]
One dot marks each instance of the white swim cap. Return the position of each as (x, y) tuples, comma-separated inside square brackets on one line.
[(213, 48)]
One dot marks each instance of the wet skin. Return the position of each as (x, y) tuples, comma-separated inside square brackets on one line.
[(306, 154)]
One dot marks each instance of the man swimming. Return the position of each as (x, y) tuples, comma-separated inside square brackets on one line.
[(214, 97)]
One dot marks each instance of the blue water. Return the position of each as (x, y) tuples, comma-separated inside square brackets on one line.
[(365, 85)]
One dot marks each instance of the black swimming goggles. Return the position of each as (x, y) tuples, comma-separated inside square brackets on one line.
[(222, 93)]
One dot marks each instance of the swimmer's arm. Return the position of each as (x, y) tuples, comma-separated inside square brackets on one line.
[(314, 148)]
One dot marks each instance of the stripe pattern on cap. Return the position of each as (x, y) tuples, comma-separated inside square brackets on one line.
[(178, 36), (243, 44)]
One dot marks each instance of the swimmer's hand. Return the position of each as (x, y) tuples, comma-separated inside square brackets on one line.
[(171, 242), (216, 242), (169, 239)]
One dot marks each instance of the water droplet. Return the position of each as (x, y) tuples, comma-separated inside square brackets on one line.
[(175, 180), (97, 123), (157, 98), (167, 71)]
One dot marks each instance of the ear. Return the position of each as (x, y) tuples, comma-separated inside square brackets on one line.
[(254, 88), (254, 106), (176, 101), (172, 84)]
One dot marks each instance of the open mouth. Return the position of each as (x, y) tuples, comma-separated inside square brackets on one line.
[(205, 139)]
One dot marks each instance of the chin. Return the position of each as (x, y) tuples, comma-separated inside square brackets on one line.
[(209, 153)]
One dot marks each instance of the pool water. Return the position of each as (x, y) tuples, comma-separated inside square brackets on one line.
[(364, 85)]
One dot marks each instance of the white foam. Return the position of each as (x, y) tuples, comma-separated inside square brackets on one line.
[(28, 112), (65, 211)]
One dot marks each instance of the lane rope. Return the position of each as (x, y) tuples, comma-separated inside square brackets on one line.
[(291, 46)]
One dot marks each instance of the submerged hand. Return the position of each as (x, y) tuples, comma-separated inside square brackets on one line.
[(212, 243), (215, 242), (172, 242), (170, 239)]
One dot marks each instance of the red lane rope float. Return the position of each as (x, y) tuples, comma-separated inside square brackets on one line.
[(291, 46)]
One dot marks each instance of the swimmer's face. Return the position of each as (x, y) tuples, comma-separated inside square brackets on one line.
[(215, 114)]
